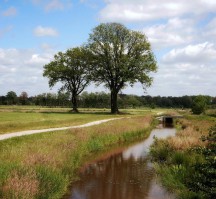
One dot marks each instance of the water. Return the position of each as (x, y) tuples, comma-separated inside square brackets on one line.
[(126, 174)]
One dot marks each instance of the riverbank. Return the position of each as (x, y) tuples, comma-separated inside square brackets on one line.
[(186, 163), (44, 165)]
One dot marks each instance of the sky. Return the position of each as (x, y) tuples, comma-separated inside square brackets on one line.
[(182, 34)]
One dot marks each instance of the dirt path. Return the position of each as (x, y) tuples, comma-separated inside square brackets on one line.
[(29, 132)]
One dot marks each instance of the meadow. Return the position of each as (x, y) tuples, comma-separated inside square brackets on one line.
[(19, 118), (44, 165)]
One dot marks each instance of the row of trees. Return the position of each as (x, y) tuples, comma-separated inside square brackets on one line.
[(113, 56), (102, 100)]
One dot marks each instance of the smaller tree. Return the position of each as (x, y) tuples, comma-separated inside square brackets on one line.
[(71, 69), (11, 98), (23, 98), (199, 105)]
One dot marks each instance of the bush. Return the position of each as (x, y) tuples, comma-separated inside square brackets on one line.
[(160, 150), (199, 105), (204, 177)]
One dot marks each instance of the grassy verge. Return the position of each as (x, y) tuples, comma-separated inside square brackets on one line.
[(182, 162), (44, 165)]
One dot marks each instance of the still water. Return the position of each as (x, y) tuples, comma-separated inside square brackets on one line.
[(126, 174)]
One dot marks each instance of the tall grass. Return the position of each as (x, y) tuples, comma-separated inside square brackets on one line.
[(43, 165), (175, 158)]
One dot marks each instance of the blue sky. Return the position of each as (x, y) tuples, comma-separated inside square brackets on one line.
[(182, 34)]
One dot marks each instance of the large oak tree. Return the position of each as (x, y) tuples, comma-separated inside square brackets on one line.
[(71, 69), (119, 57)]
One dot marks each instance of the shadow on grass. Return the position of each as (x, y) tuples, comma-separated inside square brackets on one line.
[(86, 113), (212, 115)]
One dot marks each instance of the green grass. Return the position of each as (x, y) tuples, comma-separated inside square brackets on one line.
[(19, 118), (44, 165), (18, 121)]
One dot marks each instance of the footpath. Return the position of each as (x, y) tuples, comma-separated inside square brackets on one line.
[(29, 132)]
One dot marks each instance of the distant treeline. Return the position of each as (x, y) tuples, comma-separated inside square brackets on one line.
[(101, 100)]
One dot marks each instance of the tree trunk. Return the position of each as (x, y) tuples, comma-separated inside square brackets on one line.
[(114, 104), (74, 103)]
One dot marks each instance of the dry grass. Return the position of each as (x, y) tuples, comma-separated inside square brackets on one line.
[(190, 135), (185, 139), (125, 125), (20, 185)]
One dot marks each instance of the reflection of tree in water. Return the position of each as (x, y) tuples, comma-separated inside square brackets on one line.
[(114, 178)]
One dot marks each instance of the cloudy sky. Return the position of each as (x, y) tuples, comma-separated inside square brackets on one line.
[(182, 34)]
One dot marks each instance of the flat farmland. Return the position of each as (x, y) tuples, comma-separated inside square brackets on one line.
[(13, 119)]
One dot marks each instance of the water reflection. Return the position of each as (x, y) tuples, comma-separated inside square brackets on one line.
[(126, 175)]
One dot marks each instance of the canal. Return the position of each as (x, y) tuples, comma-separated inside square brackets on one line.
[(123, 174)]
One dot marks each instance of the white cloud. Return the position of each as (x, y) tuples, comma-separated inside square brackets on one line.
[(37, 59), (45, 31), (175, 32), (54, 5), (199, 53), (184, 79), (12, 11), (50, 5), (22, 70), (144, 10), (189, 70)]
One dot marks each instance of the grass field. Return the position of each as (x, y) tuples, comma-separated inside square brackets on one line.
[(19, 118), (44, 165)]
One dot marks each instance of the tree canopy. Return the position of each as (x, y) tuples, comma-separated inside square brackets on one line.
[(11, 97), (120, 56), (71, 69)]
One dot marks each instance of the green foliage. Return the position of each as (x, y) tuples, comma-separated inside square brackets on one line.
[(52, 183), (11, 98), (180, 158), (204, 177), (94, 145), (160, 150), (199, 104), (120, 56), (192, 173), (71, 69)]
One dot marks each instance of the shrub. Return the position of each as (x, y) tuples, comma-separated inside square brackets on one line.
[(160, 150), (199, 105), (204, 177)]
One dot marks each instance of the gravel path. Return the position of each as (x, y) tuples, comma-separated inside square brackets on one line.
[(29, 132)]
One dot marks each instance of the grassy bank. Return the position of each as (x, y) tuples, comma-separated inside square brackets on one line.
[(186, 163), (44, 165)]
